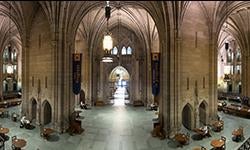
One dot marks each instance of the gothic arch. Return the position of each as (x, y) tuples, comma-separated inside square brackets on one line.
[(46, 113), (118, 67), (33, 108), (187, 116), (203, 114)]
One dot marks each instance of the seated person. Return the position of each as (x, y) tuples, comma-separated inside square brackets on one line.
[(206, 131), (83, 106), (14, 117), (153, 107), (24, 121)]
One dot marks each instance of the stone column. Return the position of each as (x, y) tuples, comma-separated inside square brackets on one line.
[(1, 74), (136, 85), (245, 75), (196, 107), (100, 87), (150, 97), (25, 77)]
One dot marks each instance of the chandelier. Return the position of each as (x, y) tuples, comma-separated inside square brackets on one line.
[(9, 67), (107, 40)]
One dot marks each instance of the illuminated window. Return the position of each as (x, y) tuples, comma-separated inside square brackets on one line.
[(124, 51), (114, 51), (129, 51)]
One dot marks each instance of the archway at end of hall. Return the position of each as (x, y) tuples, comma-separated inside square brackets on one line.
[(187, 116), (47, 113), (119, 85)]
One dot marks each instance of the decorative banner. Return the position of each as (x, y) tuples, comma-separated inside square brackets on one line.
[(155, 73), (77, 61)]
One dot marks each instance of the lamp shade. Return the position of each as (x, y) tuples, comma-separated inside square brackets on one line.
[(107, 42)]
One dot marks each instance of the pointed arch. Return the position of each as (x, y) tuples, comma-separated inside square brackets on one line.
[(124, 51), (46, 113), (203, 112), (187, 116), (33, 108), (112, 75), (129, 50)]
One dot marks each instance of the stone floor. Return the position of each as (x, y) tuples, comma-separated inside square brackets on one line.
[(117, 128)]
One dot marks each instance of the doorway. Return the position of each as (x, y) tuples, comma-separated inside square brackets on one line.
[(187, 116), (47, 113), (119, 80)]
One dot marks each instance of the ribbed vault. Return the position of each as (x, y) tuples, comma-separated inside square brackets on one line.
[(134, 18)]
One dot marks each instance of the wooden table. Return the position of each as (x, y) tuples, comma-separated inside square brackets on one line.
[(4, 130), (217, 143), (199, 131), (19, 143), (236, 132), (218, 125), (2, 110), (47, 132), (181, 138), (199, 148)]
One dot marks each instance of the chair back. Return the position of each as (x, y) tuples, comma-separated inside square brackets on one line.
[(1, 143), (13, 138), (241, 130), (223, 138), (203, 148), (13, 147)]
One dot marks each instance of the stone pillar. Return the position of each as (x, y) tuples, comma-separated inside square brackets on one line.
[(100, 87), (39, 111), (136, 85), (1, 74), (25, 77), (150, 97), (196, 107), (245, 75)]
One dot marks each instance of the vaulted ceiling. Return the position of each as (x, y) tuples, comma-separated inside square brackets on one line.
[(140, 17), (132, 17)]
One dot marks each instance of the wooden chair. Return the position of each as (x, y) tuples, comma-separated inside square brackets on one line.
[(224, 139), (203, 148), (13, 138), (241, 132)]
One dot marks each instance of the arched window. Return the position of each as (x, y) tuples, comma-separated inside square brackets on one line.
[(114, 51), (238, 56), (129, 51), (6, 54), (14, 54), (124, 51)]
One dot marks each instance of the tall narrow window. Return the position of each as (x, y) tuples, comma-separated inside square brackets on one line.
[(129, 51), (187, 83), (115, 51), (203, 82), (32, 81), (39, 41), (124, 51), (46, 82)]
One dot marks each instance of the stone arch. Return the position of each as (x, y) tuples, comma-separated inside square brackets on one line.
[(203, 112), (113, 79), (82, 96), (33, 108), (46, 113), (187, 116)]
